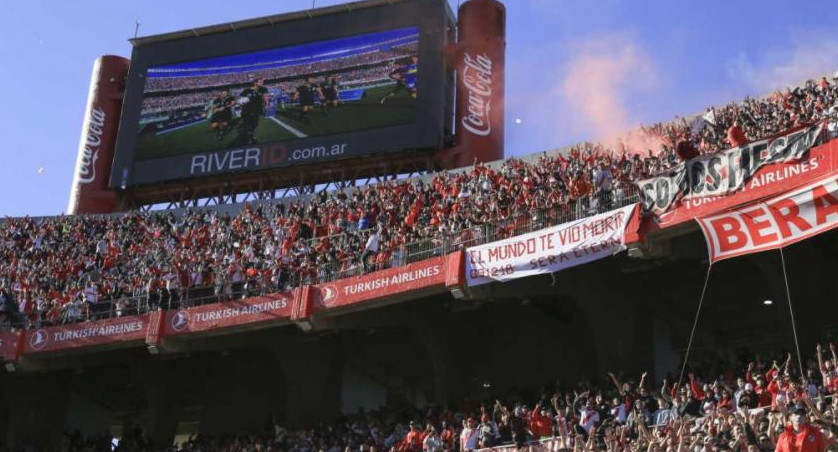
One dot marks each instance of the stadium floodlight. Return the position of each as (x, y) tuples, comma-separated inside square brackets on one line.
[(768, 302)]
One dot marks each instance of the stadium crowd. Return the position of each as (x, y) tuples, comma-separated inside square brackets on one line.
[(734, 405), (78, 268), (171, 103), (281, 69)]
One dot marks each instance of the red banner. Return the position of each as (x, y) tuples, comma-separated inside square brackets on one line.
[(381, 284), (100, 332), (271, 307), (775, 223), (10, 345), (767, 181)]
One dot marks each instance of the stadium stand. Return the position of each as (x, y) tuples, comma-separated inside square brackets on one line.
[(732, 406), (73, 269), (380, 56)]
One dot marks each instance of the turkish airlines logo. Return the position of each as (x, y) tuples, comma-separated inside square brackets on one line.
[(90, 152), (328, 294), (477, 80), (39, 339), (180, 321)]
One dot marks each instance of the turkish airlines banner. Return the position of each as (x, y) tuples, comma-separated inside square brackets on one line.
[(781, 221), (86, 334), (724, 172), (549, 250), (272, 307), (381, 284)]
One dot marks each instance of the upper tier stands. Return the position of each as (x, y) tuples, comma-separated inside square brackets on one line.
[(76, 268)]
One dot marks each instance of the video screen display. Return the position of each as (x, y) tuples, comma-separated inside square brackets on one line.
[(337, 86)]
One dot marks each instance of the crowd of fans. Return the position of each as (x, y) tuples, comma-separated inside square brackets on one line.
[(77, 268), (170, 104), (755, 406), (749, 406), (281, 69)]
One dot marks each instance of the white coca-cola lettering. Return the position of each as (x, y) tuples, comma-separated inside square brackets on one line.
[(90, 154), (477, 80)]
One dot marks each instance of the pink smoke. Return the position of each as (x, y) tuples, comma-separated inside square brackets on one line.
[(603, 72)]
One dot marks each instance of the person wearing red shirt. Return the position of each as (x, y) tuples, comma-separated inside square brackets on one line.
[(413, 441), (541, 424), (800, 436), (686, 150), (736, 136), (764, 396), (827, 368), (448, 436)]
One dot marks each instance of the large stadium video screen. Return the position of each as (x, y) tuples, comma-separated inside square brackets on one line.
[(285, 92), (336, 86)]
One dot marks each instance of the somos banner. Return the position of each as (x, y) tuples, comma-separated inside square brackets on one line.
[(724, 172), (775, 223), (382, 284), (266, 308), (549, 250), (101, 332)]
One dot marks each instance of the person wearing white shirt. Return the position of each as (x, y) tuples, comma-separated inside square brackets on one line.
[(469, 436), (371, 248), (602, 182), (432, 442), (588, 416), (832, 126)]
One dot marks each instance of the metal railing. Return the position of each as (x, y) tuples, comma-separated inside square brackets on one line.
[(439, 245), (82, 311)]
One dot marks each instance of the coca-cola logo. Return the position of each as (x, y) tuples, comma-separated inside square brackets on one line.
[(477, 80), (90, 151)]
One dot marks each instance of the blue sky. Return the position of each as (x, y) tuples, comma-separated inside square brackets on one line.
[(646, 61)]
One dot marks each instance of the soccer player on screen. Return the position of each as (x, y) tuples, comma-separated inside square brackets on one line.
[(331, 92), (254, 101), (405, 77), (306, 95), (221, 114)]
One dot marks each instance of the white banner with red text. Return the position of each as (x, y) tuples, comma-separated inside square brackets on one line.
[(724, 172), (549, 250), (775, 223)]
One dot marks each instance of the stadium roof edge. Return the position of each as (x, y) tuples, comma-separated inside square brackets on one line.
[(261, 21)]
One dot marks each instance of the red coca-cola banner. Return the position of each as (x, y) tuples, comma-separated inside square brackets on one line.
[(479, 59), (10, 345), (266, 308), (386, 283), (768, 181), (90, 192), (100, 332)]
